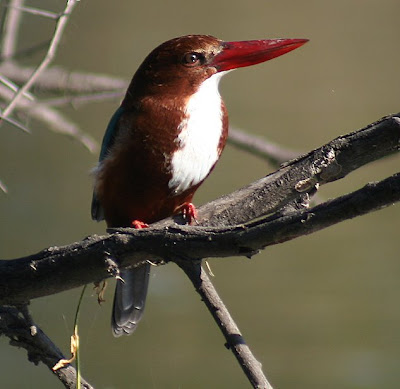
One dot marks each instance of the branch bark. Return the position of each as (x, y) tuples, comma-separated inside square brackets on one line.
[(231, 225), (234, 339), (269, 211), (17, 325)]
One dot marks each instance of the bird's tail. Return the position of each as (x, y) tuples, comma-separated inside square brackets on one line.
[(129, 300)]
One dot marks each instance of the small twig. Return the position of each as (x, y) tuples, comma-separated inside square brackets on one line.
[(56, 121), (60, 124), (11, 29), (11, 85), (56, 79), (261, 147), (234, 339), (36, 11), (17, 124), (3, 187), (82, 99), (61, 24)]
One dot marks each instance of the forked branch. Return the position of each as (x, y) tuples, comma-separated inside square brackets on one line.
[(237, 224), (269, 211)]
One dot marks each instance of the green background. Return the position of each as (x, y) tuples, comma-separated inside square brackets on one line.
[(319, 312)]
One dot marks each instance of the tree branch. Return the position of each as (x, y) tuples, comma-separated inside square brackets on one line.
[(260, 147), (234, 222), (61, 24), (11, 29), (269, 211), (234, 339), (17, 325), (58, 79), (56, 121)]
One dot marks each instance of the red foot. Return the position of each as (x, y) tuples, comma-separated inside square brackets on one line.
[(138, 224), (189, 212)]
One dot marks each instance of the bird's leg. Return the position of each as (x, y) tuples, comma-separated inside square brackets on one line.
[(189, 212), (138, 224)]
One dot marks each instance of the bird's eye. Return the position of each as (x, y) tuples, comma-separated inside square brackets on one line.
[(193, 59)]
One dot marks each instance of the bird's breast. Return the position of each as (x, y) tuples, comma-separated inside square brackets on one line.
[(201, 137)]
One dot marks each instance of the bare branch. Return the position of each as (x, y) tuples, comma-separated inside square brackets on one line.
[(267, 212), (185, 243), (234, 222), (61, 24), (234, 339), (261, 147), (11, 85), (11, 29), (57, 79), (17, 124), (36, 11), (3, 187), (52, 118), (82, 99), (328, 163), (60, 124), (17, 325)]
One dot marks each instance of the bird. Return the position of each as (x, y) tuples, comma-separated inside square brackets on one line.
[(164, 140)]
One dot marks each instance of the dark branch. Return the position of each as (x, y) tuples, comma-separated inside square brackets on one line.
[(269, 211), (17, 325), (235, 225)]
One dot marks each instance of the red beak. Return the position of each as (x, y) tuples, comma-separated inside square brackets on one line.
[(245, 53)]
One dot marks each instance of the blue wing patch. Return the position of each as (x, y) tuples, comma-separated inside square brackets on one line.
[(111, 132), (108, 141)]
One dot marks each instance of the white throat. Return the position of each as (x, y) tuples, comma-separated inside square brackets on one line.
[(199, 137)]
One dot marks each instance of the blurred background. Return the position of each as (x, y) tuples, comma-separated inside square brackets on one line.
[(319, 311)]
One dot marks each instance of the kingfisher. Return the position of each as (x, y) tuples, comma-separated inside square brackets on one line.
[(164, 140)]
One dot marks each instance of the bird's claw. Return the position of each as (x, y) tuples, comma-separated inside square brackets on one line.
[(138, 224), (189, 212)]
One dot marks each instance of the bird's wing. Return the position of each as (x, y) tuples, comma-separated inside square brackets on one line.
[(108, 141)]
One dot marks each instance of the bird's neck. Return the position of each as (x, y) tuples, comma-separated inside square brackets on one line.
[(188, 129), (201, 137)]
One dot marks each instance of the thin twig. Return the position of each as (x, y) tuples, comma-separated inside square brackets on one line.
[(11, 29), (11, 85), (60, 124), (234, 339), (261, 147), (56, 79), (3, 187), (55, 120), (36, 11), (82, 99), (61, 24), (17, 124)]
